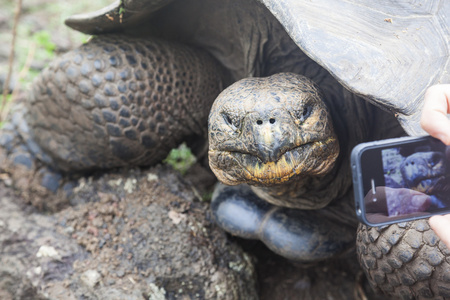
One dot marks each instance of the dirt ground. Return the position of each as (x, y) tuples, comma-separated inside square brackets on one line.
[(157, 241), (144, 234)]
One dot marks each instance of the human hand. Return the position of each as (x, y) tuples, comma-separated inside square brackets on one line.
[(434, 120), (441, 226)]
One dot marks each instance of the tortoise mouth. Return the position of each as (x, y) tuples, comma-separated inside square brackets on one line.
[(311, 158)]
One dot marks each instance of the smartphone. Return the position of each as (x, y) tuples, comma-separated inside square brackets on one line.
[(401, 179)]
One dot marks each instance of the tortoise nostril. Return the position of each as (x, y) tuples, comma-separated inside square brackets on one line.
[(260, 122)]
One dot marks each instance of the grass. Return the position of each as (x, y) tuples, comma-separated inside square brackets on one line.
[(43, 39)]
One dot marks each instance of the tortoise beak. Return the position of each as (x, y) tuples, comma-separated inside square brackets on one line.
[(271, 132)]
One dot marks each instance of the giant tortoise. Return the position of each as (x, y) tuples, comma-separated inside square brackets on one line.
[(305, 82)]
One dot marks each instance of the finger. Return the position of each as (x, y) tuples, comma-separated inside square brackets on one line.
[(434, 115), (441, 226)]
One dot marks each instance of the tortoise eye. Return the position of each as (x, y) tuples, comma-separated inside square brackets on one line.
[(228, 119), (231, 120), (233, 123), (435, 159), (305, 113)]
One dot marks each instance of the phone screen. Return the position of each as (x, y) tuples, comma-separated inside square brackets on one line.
[(406, 180)]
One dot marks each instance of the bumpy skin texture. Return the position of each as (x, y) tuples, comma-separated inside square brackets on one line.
[(119, 101), (405, 259)]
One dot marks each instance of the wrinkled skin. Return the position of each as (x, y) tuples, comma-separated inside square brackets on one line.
[(264, 133)]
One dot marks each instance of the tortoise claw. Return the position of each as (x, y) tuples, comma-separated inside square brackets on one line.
[(24, 165), (301, 235)]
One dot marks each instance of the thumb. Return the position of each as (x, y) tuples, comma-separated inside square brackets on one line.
[(434, 118), (441, 226)]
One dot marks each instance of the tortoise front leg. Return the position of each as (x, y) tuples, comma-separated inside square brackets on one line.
[(300, 235), (119, 101), (112, 102)]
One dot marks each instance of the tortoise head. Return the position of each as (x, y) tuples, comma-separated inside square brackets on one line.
[(423, 170), (266, 131)]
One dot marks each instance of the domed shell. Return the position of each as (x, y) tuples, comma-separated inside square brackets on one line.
[(387, 51)]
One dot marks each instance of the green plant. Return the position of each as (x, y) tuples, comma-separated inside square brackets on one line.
[(43, 39), (181, 158), (207, 196)]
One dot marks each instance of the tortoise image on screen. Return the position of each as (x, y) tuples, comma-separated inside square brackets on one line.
[(300, 84)]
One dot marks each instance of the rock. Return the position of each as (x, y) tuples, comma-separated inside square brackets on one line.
[(90, 278), (47, 251)]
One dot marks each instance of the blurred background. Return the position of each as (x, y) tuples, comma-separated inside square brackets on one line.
[(41, 34)]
